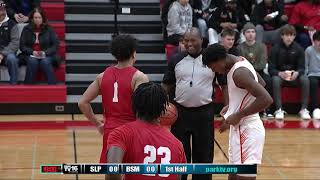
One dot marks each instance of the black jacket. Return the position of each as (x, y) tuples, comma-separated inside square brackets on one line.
[(9, 38), (49, 42), (221, 15), (284, 58), (16, 6), (260, 12)]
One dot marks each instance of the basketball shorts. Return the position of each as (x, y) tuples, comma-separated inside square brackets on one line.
[(246, 143)]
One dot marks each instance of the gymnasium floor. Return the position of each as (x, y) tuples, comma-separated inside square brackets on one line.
[(288, 153)]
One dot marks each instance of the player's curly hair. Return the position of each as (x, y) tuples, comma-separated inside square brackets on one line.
[(149, 101), (123, 47), (213, 53)]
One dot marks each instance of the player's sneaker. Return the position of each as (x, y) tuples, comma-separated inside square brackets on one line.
[(304, 114)]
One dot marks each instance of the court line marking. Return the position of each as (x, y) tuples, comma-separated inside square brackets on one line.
[(282, 175), (34, 153)]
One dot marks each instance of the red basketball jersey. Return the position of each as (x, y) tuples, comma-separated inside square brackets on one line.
[(116, 90), (147, 143)]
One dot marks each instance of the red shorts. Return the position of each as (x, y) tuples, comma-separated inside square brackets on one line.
[(103, 156)]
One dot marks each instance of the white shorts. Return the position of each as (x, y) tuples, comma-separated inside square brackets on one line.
[(246, 143)]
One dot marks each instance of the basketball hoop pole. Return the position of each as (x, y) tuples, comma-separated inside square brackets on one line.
[(115, 13)]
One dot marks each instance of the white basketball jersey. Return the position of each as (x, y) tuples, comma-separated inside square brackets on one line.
[(240, 98)]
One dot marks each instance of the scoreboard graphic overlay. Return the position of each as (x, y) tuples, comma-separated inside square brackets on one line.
[(148, 169)]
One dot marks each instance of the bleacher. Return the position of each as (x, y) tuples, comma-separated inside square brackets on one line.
[(85, 29), (26, 94), (89, 29)]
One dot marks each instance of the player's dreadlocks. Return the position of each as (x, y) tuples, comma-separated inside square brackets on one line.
[(149, 101)]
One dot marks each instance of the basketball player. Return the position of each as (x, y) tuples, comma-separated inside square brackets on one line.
[(247, 97), (145, 140), (116, 85)]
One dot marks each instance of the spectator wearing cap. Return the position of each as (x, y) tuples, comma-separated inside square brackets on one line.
[(256, 53), (287, 68), (269, 18), (39, 44), (19, 10), (9, 44), (179, 20), (230, 16)]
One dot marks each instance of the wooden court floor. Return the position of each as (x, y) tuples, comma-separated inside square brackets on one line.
[(288, 153)]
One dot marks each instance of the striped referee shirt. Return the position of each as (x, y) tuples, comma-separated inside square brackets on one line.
[(193, 81)]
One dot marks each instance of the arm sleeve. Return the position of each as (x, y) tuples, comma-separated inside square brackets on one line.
[(272, 63), (14, 43), (52, 50)]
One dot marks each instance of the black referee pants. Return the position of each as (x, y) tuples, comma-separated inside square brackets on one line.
[(198, 124)]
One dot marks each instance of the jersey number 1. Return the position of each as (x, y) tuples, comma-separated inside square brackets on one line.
[(115, 92), (153, 152)]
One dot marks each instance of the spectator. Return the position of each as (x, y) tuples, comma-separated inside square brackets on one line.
[(192, 83), (313, 71), (9, 44), (256, 54), (179, 20), (227, 41), (268, 18), (203, 10), (39, 43), (19, 9), (305, 17), (287, 68), (230, 16), (247, 6)]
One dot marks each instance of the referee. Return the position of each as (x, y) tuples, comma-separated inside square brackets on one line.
[(193, 86)]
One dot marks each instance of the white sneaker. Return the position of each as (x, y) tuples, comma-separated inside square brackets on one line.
[(316, 123), (304, 114), (279, 114), (316, 114)]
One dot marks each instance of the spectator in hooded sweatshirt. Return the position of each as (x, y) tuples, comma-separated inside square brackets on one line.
[(179, 20)]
